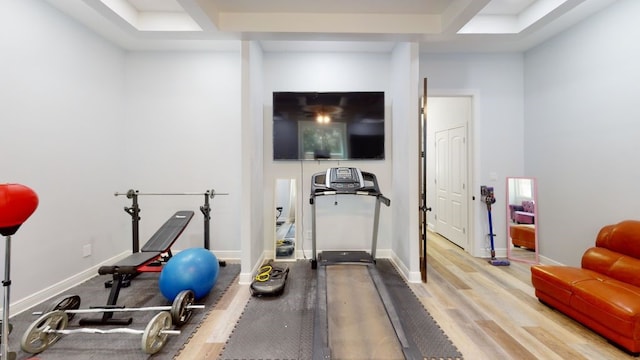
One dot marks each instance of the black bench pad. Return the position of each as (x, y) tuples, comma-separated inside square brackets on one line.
[(160, 242)]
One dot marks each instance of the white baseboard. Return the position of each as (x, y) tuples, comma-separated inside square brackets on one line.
[(247, 278), (64, 285), (409, 276), (548, 261), (500, 253), (231, 255)]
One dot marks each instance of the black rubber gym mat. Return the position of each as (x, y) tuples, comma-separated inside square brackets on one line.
[(418, 324), (282, 327), (143, 292), (279, 327)]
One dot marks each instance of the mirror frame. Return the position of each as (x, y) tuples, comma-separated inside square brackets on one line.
[(534, 195)]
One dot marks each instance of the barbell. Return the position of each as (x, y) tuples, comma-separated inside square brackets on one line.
[(130, 193), (181, 309), (50, 327)]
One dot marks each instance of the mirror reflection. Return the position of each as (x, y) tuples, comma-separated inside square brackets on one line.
[(522, 219), (285, 202)]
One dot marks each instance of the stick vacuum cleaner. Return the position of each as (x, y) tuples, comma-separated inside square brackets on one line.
[(488, 198)]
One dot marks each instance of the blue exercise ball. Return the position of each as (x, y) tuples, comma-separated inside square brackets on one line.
[(194, 269)]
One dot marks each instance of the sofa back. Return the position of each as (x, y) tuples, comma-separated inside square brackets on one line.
[(623, 237), (617, 252)]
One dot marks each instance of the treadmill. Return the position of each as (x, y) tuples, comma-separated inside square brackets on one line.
[(347, 181), (351, 181)]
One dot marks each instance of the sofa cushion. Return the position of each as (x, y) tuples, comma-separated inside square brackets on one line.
[(609, 302), (559, 281), (612, 264)]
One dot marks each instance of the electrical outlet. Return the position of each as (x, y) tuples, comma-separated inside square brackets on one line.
[(86, 250), (308, 235)]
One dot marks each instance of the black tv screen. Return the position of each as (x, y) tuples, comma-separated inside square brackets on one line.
[(328, 125)]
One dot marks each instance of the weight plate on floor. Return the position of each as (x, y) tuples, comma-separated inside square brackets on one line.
[(180, 311), (153, 339), (36, 339), (66, 303)]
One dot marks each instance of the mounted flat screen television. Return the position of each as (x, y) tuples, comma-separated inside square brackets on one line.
[(328, 125)]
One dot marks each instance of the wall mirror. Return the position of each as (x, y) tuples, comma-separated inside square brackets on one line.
[(285, 219), (522, 220)]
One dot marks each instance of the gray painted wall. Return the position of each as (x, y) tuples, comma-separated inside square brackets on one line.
[(581, 129)]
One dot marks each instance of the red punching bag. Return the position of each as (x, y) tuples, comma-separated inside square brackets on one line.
[(17, 203)]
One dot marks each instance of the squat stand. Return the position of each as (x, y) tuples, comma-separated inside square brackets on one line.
[(134, 211), (206, 211)]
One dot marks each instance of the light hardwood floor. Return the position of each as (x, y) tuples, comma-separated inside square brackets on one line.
[(488, 312)]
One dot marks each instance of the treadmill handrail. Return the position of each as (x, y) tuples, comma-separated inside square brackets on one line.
[(383, 199)]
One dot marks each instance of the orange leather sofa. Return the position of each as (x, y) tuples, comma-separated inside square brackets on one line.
[(603, 294), (523, 236)]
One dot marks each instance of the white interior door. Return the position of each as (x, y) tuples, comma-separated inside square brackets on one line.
[(457, 186), (450, 179), (442, 183)]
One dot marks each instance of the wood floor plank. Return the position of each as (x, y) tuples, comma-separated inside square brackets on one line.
[(506, 341), (445, 292), (448, 275), (470, 338), (452, 255), (554, 343), (447, 296)]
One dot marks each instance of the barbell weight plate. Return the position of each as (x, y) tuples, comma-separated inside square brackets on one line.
[(180, 310), (153, 339), (66, 303), (36, 339)]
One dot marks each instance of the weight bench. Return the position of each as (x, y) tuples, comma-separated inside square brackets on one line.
[(147, 260)]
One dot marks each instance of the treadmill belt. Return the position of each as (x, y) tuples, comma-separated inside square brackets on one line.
[(338, 257), (359, 327)]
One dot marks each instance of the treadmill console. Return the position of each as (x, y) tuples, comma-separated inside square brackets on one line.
[(344, 178)]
